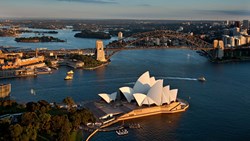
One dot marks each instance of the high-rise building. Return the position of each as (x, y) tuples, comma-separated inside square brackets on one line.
[(100, 54), (225, 39), (221, 44), (237, 42), (245, 24), (120, 35), (157, 41), (226, 31), (215, 44), (235, 31), (232, 42), (237, 24)]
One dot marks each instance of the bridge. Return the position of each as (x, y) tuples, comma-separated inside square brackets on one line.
[(139, 41)]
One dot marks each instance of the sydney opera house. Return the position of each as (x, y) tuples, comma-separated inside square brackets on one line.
[(147, 97)]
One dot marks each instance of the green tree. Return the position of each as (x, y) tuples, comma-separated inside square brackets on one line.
[(45, 119), (69, 101), (29, 118), (32, 106), (15, 132)]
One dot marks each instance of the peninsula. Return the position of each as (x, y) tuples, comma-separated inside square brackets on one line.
[(38, 39), (90, 34)]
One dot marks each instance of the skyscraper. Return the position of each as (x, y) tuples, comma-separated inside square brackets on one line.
[(120, 35), (100, 54), (245, 24), (237, 24)]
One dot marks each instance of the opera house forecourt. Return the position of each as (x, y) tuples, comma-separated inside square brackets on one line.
[(147, 97)]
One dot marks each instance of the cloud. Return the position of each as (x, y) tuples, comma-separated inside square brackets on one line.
[(92, 1), (225, 12)]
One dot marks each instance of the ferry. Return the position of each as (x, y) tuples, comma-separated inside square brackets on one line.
[(121, 132), (69, 75), (202, 79)]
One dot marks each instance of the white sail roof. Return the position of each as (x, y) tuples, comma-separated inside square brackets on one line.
[(142, 85), (155, 93), (173, 94), (113, 96), (147, 91), (127, 92), (166, 95), (152, 81), (105, 97), (148, 101), (139, 97)]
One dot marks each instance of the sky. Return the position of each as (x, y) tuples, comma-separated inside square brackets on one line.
[(127, 9)]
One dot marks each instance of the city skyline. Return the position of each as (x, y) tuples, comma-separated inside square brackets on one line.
[(121, 9)]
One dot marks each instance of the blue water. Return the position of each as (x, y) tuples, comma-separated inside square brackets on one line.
[(219, 108), (68, 35)]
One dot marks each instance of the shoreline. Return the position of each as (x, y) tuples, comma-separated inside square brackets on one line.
[(93, 68)]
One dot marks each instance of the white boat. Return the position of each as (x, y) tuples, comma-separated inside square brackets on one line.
[(202, 79), (69, 75), (134, 125), (121, 132), (70, 72)]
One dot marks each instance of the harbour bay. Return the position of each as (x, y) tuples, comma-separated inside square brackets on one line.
[(218, 107)]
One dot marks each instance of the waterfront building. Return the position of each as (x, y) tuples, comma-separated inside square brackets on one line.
[(1, 61), (225, 39), (219, 46), (9, 56), (226, 31), (100, 54), (120, 35), (5, 90), (232, 42), (237, 24), (147, 97), (215, 44), (237, 42), (235, 31), (243, 40), (245, 24), (157, 41), (35, 62), (146, 91)]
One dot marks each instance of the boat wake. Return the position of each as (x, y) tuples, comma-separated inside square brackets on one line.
[(180, 78), (110, 79), (130, 83)]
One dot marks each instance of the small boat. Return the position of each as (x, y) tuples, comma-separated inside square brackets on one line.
[(121, 132), (135, 126), (32, 91), (70, 72), (202, 79), (69, 75)]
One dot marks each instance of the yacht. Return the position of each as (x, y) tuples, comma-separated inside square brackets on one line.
[(202, 79), (69, 75), (121, 132)]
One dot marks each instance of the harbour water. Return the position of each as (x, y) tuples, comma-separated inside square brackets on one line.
[(219, 108), (64, 34)]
